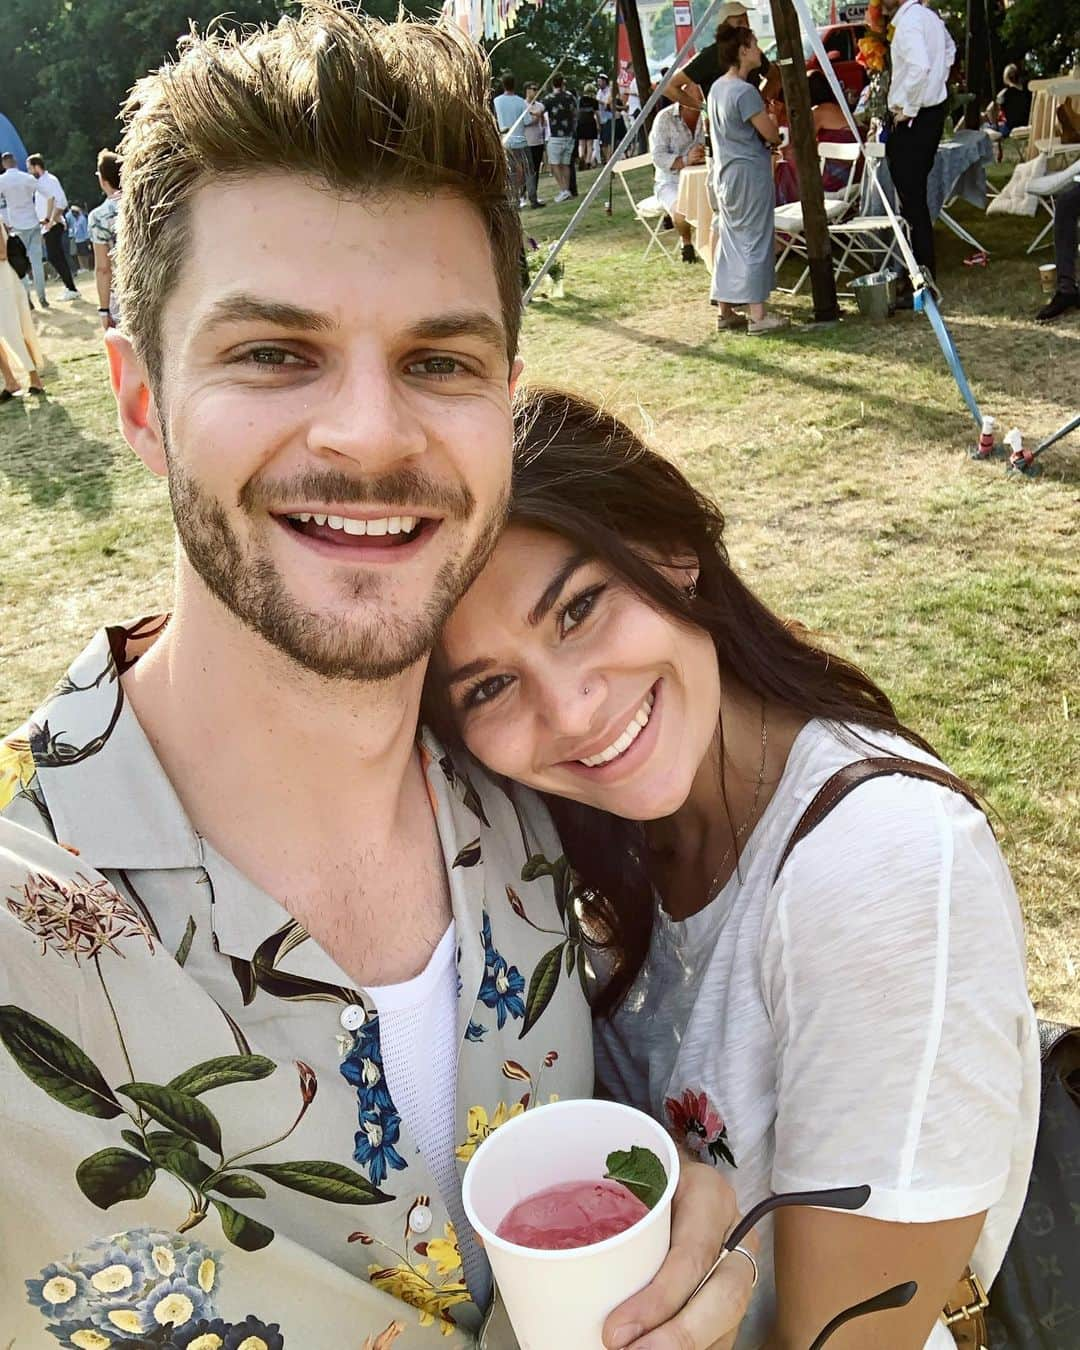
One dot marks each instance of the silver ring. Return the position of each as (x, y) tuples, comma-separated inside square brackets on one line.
[(750, 1257)]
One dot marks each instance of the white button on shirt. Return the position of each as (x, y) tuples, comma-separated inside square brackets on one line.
[(922, 54)]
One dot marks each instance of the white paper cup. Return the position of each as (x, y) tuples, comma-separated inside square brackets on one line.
[(562, 1298), (1048, 277)]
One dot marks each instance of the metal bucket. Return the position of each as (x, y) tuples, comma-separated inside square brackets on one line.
[(875, 294)]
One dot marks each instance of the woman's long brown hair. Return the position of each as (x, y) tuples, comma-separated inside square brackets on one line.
[(582, 474)]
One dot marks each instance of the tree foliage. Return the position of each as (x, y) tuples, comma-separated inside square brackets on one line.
[(542, 37), (66, 65), (1047, 31)]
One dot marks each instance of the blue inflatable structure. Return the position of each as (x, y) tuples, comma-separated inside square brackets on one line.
[(11, 141)]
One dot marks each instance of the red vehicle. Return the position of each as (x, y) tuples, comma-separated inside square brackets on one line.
[(841, 43)]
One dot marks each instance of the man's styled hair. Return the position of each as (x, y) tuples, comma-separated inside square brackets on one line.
[(329, 94), (7, 158), (557, 81), (35, 161), (108, 167), (509, 84)]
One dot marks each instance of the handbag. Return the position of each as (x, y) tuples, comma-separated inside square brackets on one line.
[(17, 256), (1035, 1304)]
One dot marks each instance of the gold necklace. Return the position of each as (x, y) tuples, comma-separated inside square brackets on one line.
[(753, 806)]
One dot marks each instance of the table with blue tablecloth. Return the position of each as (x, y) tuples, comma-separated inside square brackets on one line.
[(959, 172)]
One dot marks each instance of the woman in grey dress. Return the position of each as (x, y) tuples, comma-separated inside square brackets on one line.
[(742, 134)]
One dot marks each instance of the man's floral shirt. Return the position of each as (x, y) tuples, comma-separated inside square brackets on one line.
[(197, 1156)]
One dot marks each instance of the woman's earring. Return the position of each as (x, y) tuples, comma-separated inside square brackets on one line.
[(691, 588)]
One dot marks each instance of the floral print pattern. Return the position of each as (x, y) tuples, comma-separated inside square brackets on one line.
[(699, 1126), (171, 1053)]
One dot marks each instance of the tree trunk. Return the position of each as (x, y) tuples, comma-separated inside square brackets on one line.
[(977, 64), (789, 54), (637, 51)]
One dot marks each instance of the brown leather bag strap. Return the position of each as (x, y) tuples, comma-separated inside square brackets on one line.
[(833, 791)]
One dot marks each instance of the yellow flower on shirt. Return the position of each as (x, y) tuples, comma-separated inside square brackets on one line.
[(478, 1126), (444, 1252), (16, 769), (412, 1285)]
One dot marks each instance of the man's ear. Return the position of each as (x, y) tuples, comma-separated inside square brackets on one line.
[(515, 373), (135, 407)]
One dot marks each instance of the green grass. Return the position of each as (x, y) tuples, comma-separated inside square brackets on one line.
[(839, 456)]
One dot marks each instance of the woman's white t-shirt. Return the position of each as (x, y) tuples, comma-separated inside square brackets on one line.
[(863, 1020)]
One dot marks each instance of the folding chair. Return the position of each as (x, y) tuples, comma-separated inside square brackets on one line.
[(648, 211), (867, 242), (1045, 190), (788, 220)]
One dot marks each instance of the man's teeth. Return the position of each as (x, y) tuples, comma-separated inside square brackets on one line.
[(386, 525), (627, 739)]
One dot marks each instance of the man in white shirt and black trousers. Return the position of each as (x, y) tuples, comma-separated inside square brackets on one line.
[(922, 55)]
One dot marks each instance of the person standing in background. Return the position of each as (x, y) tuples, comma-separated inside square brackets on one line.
[(51, 203), (535, 135), (80, 233), (690, 86), (922, 54), (587, 129), (102, 226), (17, 196), (17, 336), (511, 112), (603, 98), (561, 108)]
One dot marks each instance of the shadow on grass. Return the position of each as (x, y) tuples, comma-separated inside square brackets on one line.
[(43, 453), (738, 354)]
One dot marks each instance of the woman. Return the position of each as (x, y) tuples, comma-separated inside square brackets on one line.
[(18, 341), (743, 135), (831, 127), (587, 129), (860, 1017)]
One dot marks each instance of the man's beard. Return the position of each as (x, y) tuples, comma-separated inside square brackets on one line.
[(252, 587)]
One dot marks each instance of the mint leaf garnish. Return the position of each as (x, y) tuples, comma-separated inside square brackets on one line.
[(640, 1171)]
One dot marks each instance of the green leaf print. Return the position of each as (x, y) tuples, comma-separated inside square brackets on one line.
[(570, 958), (213, 1073), (184, 950), (469, 856), (238, 1187), (324, 1180), (542, 986), (247, 1234), (56, 1064), (179, 1112), (114, 1174)]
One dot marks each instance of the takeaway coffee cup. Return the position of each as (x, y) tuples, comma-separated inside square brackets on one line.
[(1048, 277), (562, 1298)]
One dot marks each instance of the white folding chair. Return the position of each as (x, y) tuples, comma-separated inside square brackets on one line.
[(867, 243), (649, 211), (788, 220)]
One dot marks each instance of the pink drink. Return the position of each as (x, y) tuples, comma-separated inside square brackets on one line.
[(573, 1214)]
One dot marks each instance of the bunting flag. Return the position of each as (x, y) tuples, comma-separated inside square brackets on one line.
[(485, 18)]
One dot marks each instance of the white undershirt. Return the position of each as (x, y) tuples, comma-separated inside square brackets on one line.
[(418, 1042)]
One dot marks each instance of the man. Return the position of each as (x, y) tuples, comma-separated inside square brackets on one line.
[(604, 118), (51, 202), (1066, 215), (18, 193), (922, 54), (561, 108), (80, 233), (272, 967), (511, 113), (535, 135), (690, 86), (101, 228), (677, 140)]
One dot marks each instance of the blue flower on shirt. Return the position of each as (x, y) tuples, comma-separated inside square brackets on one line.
[(61, 1290), (374, 1144), (503, 984), (475, 1031), (363, 1068)]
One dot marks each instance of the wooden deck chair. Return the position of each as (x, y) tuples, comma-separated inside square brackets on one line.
[(649, 211), (839, 204)]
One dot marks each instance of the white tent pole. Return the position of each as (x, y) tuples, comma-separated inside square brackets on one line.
[(605, 173), (562, 62)]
